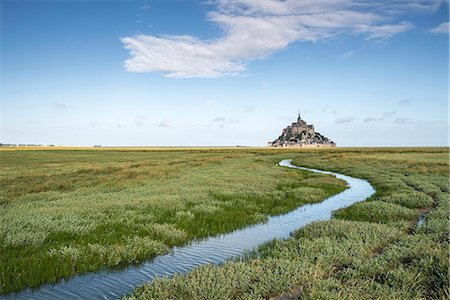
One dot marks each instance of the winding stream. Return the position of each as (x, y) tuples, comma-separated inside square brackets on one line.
[(215, 250)]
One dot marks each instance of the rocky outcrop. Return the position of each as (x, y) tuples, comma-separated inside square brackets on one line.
[(300, 134)]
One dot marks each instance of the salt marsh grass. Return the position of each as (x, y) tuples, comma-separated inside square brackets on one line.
[(71, 211), (372, 249)]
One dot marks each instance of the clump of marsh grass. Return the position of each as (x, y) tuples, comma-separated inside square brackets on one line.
[(131, 250), (409, 198), (376, 211)]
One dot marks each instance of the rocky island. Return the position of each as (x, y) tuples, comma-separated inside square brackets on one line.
[(300, 134)]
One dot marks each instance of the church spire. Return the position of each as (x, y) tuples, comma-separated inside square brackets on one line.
[(299, 118)]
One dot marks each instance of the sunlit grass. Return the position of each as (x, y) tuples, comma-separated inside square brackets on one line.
[(68, 211), (371, 250)]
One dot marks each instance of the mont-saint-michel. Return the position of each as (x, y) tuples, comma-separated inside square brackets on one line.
[(300, 134)]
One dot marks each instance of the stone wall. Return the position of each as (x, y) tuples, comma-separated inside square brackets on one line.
[(327, 145)]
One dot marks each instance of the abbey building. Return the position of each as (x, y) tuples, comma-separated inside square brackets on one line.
[(300, 134)]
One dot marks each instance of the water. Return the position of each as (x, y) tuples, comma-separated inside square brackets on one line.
[(422, 219), (215, 250)]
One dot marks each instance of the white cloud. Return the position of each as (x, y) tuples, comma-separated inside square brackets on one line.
[(146, 7), (179, 56), (60, 105), (250, 108), (140, 120), (211, 103), (347, 55), (402, 120), (382, 32), (442, 28), (222, 121), (405, 102), (385, 116), (388, 114), (165, 123), (344, 120), (255, 29), (233, 120), (370, 119), (94, 124)]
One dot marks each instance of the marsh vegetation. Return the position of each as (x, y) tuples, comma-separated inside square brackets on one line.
[(65, 212), (370, 249)]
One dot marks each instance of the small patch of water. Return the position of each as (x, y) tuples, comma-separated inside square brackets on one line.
[(422, 219)]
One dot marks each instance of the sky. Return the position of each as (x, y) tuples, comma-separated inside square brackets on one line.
[(224, 72)]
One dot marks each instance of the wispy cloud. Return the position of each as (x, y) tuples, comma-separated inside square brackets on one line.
[(382, 32), (442, 28), (388, 114), (370, 119), (32, 122), (254, 30), (146, 6), (347, 55), (94, 124), (250, 108), (328, 109), (405, 102), (402, 120), (385, 116), (165, 123), (59, 106), (222, 121), (139, 120), (344, 120), (211, 103)]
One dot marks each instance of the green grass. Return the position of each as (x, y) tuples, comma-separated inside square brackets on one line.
[(370, 250), (70, 211)]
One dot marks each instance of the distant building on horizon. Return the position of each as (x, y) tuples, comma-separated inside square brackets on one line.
[(299, 135)]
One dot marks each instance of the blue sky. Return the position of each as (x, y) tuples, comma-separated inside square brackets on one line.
[(224, 72)]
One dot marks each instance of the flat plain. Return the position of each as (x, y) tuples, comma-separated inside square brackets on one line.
[(72, 210), (370, 250)]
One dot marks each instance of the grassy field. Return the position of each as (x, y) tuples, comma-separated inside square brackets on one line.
[(370, 250), (68, 211)]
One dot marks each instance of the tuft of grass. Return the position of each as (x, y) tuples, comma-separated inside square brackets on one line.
[(410, 199), (376, 211)]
